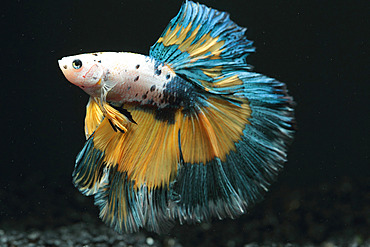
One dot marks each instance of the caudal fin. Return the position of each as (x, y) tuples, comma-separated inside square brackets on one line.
[(234, 141)]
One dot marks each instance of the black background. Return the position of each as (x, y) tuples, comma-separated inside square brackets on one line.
[(318, 48)]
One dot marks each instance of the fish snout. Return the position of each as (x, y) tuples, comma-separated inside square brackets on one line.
[(62, 64), (70, 74)]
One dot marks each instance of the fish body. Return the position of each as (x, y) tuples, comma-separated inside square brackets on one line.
[(127, 77), (188, 132)]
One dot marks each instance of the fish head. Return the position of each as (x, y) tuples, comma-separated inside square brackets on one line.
[(84, 71)]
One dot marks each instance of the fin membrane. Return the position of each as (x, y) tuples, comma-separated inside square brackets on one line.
[(96, 110), (214, 161), (212, 182), (243, 124), (204, 46), (130, 172), (94, 116)]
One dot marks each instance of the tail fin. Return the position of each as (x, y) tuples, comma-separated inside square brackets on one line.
[(234, 145)]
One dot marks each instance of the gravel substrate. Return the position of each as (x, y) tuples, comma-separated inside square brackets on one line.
[(324, 215), (83, 235)]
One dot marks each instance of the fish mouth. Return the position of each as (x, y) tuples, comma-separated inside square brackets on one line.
[(67, 72), (62, 64), (63, 67)]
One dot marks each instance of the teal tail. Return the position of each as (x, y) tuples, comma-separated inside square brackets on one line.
[(203, 46)]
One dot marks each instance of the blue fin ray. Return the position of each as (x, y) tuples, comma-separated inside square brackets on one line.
[(126, 208), (200, 38), (122, 206), (88, 174), (228, 188)]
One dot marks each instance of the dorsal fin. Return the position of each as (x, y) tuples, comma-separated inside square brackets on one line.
[(204, 46)]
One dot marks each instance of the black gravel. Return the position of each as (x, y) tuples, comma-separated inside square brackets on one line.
[(74, 235), (336, 214)]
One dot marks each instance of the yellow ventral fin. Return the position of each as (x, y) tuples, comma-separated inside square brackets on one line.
[(96, 111)]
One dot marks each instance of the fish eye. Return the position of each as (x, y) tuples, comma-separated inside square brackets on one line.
[(77, 64)]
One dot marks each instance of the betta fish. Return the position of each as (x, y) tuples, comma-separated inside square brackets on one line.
[(187, 133)]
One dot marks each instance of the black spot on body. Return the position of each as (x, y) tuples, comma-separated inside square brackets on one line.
[(136, 78), (99, 61), (129, 88), (168, 76), (144, 96), (152, 88), (94, 54), (137, 66), (158, 72)]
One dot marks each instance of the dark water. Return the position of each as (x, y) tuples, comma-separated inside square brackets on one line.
[(317, 47)]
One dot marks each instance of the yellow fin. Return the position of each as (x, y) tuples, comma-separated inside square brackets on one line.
[(93, 118), (96, 111), (148, 151), (133, 170), (213, 130), (116, 119)]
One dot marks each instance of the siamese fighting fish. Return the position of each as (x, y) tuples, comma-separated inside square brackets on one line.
[(185, 134)]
